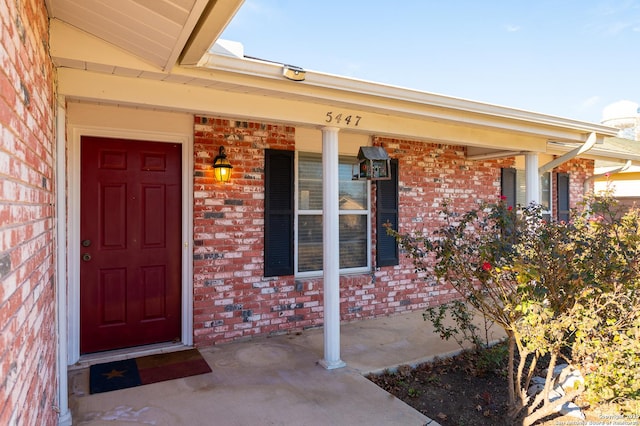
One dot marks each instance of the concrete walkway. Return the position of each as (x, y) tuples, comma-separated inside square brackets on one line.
[(277, 381)]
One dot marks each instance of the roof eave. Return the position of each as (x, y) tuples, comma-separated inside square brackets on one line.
[(274, 70)]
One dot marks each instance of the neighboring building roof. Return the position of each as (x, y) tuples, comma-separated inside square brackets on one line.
[(622, 176), (621, 149), (626, 148)]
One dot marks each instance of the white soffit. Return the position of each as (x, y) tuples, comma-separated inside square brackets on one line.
[(154, 30)]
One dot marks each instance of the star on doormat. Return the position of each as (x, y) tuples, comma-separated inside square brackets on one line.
[(114, 375)]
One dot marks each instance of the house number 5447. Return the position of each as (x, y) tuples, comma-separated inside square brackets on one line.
[(349, 120)]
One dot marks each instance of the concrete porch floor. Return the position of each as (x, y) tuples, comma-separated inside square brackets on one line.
[(277, 381)]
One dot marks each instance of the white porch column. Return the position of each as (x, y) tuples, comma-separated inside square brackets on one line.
[(532, 178), (64, 414), (331, 249)]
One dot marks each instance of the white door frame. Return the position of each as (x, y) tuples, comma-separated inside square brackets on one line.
[(72, 222)]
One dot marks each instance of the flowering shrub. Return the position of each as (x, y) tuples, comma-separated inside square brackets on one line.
[(562, 290), (605, 319)]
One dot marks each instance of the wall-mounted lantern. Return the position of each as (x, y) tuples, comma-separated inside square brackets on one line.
[(222, 167), (373, 164)]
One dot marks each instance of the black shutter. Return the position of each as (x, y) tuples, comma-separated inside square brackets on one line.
[(278, 213), (563, 196), (508, 185), (387, 212)]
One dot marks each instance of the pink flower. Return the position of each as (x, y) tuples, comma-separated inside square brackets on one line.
[(486, 266), (510, 208), (502, 197)]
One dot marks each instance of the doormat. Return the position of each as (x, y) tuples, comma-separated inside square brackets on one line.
[(129, 373)]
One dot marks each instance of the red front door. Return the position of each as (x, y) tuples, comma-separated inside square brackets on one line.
[(130, 227)]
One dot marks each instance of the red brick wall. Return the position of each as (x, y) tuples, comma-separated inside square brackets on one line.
[(430, 174), (27, 301), (231, 297), (579, 170)]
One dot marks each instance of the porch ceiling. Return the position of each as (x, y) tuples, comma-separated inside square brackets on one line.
[(156, 31)]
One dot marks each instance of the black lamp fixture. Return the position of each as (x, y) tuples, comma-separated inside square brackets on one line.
[(222, 167)]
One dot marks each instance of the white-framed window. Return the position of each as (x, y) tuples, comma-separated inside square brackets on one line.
[(354, 220), (545, 191)]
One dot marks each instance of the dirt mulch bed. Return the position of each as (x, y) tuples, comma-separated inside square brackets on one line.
[(469, 389), (452, 391)]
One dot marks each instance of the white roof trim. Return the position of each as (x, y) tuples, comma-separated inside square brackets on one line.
[(273, 70)]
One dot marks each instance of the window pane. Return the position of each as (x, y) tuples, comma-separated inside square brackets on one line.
[(545, 191), (353, 241), (309, 182), (309, 243), (353, 193), (521, 188)]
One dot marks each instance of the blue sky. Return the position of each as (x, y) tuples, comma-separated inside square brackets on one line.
[(568, 58)]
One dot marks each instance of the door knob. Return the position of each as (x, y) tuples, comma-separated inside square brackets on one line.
[(86, 257)]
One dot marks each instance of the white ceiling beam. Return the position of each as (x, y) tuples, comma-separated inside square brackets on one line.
[(215, 18), (495, 155), (195, 16)]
